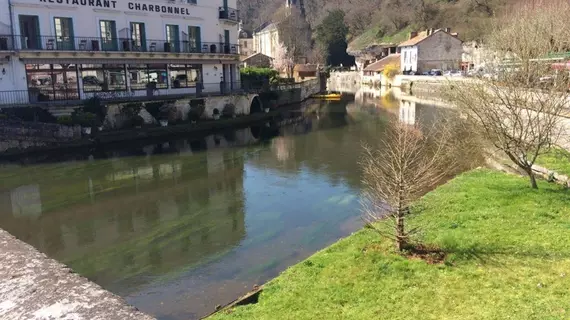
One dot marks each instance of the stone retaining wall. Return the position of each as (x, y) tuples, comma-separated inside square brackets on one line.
[(22, 135), (35, 287)]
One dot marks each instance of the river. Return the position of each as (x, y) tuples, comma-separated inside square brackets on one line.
[(178, 227)]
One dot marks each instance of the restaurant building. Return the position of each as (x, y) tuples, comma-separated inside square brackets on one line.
[(74, 49)]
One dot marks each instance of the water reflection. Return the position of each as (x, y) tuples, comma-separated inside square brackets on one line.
[(180, 226)]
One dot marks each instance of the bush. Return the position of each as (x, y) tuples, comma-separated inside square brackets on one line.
[(229, 110), (154, 108), (85, 119), (197, 108), (95, 106), (254, 75), (32, 114), (137, 121), (65, 120), (390, 71)]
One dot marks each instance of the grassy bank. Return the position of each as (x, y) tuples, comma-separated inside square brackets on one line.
[(508, 258), (557, 160)]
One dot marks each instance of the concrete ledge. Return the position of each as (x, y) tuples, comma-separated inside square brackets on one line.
[(33, 286)]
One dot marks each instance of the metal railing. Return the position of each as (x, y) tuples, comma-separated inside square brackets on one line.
[(229, 14), (52, 43), (62, 96)]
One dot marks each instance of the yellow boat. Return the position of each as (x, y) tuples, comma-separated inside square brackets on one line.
[(328, 96)]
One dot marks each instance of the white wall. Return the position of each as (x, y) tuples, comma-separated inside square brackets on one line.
[(409, 58), (86, 18)]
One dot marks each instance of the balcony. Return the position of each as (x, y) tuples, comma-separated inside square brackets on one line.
[(229, 14), (94, 44)]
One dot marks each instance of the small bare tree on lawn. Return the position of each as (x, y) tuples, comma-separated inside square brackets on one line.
[(409, 161), (519, 103)]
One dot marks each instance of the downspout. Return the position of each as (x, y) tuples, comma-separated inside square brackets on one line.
[(11, 23)]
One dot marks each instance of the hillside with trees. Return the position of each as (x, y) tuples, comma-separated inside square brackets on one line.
[(382, 21)]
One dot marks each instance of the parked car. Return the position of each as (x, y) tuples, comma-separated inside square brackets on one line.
[(436, 72), (92, 80)]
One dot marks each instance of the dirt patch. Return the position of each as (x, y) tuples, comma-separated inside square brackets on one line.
[(427, 253)]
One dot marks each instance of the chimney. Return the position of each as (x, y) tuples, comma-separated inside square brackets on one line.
[(413, 34), (448, 30)]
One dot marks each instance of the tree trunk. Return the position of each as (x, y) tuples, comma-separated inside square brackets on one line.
[(400, 231), (532, 177)]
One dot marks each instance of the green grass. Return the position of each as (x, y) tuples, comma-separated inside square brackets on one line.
[(508, 258), (557, 160), (370, 37)]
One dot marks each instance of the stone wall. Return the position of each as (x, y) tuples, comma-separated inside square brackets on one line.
[(22, 135)]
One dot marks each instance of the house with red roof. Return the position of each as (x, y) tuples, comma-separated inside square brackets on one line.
[(430, 49)]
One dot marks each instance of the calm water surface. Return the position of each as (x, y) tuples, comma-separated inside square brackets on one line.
[(181, 226)]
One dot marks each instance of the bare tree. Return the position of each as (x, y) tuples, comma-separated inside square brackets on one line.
[(520, 102), (409, 161), (282, 60), (294, 33)]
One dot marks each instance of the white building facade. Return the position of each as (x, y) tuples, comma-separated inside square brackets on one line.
[(430, 49), (75, 49)]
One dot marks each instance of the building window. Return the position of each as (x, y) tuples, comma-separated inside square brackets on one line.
[(138, 36), (185, 75), (103, 77), (108, 31), (405, 56), (64, 33), (172, 39), (194, 40), (245, 44), (142, 74), (52, 82), (30, 32)]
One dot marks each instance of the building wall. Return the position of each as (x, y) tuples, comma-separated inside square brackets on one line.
[(266, 42), (440, 51), (87, 14), (86, 18), (409, 58), (246, 47)]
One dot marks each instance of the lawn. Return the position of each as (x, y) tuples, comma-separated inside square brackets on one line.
[(557, 160), (508, 258)]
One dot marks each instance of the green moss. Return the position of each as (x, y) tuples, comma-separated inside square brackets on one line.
[(371, 37), (508, 258)]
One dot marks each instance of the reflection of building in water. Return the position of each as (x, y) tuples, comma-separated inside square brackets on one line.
[(370, 95), (116, 219), (24, 201), (283, 148), (407, 112)]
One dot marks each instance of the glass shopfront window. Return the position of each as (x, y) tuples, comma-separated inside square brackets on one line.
[(142, 74), (103, 77), (185, 75), (52, 82)]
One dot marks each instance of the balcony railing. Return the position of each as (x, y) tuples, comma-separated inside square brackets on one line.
[(52, 43), (229, 14)]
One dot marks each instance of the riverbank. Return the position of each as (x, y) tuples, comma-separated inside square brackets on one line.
[(33, 286), (507, 257), (203, 127)]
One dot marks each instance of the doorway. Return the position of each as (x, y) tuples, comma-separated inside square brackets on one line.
[(30, 32)]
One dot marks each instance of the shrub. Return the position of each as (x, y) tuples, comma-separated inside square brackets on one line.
[(254, 75), (94, 105), (229, 110), (35, 114), (197, 108), (154, 108), (85, 119), (65, 120), (390, 71)]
